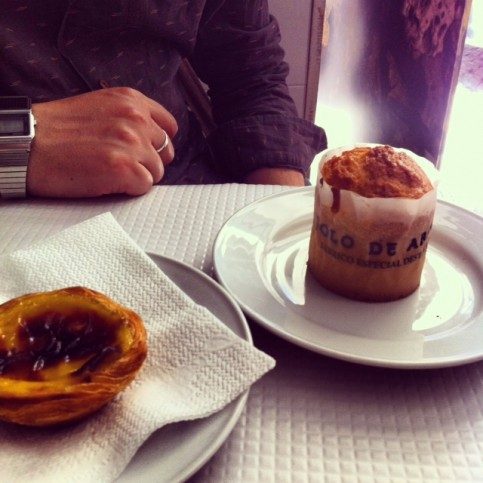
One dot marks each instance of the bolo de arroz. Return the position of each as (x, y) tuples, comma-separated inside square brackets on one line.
[(413, 250)]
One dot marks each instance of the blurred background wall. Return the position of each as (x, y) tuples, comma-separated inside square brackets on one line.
[(389, 71), (301, 24)]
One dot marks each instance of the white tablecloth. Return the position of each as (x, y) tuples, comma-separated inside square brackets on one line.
[(313, 418)]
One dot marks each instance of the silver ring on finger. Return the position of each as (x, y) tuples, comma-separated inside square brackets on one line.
[(165, 143)]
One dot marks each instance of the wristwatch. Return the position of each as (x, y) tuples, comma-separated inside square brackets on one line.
[(17, 131)]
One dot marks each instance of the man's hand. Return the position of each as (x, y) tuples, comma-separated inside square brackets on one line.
[(288, 177), (99, 143)]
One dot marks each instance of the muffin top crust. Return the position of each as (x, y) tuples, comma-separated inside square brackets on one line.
[(379, 171)]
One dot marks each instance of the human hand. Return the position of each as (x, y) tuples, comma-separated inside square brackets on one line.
[(280, 176), (99, 143)]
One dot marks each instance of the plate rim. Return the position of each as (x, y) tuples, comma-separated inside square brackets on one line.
[(440, 362), (239, 403)]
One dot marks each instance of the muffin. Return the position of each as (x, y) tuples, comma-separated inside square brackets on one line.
[(374, 207)]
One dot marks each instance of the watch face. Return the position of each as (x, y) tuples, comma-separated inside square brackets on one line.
[(14, 125)]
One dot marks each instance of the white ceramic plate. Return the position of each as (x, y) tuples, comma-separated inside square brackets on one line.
[(260, 256), (177, 451)]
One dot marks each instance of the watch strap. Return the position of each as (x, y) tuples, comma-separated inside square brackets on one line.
[(14, 152), (13, 174)]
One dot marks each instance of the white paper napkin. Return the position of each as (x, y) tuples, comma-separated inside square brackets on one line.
[(195, 365)]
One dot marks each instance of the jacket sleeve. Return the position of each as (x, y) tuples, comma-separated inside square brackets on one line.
[(238, 55)]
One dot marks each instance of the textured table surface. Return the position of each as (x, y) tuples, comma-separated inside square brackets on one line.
[(313, 418)]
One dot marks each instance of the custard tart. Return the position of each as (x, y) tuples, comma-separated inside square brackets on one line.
[(65, 354)]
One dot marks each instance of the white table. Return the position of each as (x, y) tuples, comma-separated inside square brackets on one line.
[(312, 418)]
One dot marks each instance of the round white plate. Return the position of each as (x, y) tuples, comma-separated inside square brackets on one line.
[(260, 256), (177, 451)]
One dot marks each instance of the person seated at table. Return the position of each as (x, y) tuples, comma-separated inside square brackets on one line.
[(109, 107)]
